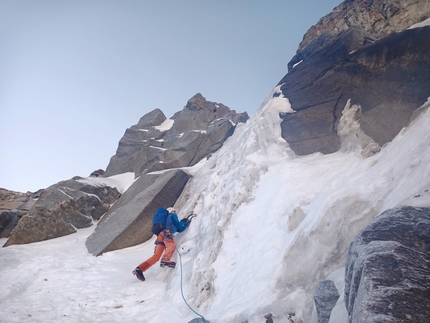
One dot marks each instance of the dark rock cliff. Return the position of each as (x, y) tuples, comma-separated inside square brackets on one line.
[(375, 19), (361, 52), (389, 79)]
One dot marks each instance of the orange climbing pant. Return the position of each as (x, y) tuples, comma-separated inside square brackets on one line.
[(164, 243)]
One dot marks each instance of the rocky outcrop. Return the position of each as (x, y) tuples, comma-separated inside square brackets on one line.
[(97, 173), (375, 20), (153, 144), (14, 205), (326, 296), (9, 196), (388, 269), (362, 52), (388, 79), (158, 143), (8, 221), (129, 221), (61, 209)]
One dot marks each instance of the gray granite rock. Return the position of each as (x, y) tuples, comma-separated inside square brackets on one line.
[(388, 269), (61, 209), (192, 134), (326, 296), (129, 220)]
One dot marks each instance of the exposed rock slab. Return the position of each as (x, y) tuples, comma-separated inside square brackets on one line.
[(157, 143), (129, 221), (388, 79), (61, 209), (326, 296), (388, 269)]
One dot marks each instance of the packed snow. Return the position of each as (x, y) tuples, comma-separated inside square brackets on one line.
[(166, 125), (421, 24), (121, 182), (270, 226)]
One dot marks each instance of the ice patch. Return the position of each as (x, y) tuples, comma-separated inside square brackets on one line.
[(166, 125), (421, 24), (121, 181)]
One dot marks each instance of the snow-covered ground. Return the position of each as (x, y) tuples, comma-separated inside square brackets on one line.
[(270, 226)]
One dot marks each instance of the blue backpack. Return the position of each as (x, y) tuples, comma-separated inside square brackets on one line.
[(159, 220)]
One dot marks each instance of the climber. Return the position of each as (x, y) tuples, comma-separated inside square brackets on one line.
[(165, 242)]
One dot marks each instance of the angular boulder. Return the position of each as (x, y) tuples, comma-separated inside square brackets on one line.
[(157, 143), (129, 221), (61, 209), (388, 269)]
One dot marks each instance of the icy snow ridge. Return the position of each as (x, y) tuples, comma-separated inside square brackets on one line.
[(273, 225)]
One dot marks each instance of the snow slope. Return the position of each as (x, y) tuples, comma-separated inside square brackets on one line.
[(270, 226)]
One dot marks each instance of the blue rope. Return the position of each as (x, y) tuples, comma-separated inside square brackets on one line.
[(182, 292)]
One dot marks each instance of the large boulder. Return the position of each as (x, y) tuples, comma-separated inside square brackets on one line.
[(128, 222), (388, 269), (157, 143), (62, 209), (388, 79)]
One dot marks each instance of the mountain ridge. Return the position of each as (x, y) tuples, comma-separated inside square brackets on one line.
[(274, 223)]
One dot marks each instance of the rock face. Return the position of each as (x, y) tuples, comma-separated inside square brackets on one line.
[(157, 143), (388, 269), (61, 209), (387, 76), (129, 221), (375, 20), (326, 296)]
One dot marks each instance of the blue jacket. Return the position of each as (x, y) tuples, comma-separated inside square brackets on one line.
[(173, 223)]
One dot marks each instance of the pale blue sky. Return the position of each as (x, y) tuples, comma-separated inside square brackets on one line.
[(74, 75)]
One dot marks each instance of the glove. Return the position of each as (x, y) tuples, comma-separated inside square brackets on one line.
[(186, 221), (191, 216)]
